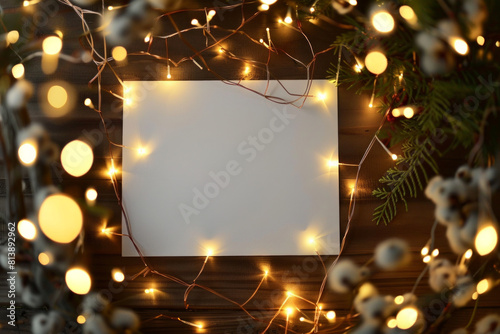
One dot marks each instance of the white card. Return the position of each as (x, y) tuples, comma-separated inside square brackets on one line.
[(227, 171)]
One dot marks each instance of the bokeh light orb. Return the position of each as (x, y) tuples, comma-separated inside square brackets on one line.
[(78, 281), (376, 62), (77, 158), (60, 218)]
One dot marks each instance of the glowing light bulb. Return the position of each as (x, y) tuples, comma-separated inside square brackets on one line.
[(52, 45), (147, 291), (18, 71), (399, 300), (408, 112), (60, 218), (333, 163), (112, 171), (209, 252), (88, 103), (482, 286), (81, 319), (27, 229), (383, 22), (312, 10), (119, 53), (392, 323), (195, 22), (370, 105), (141, 150), (358, 68), (427, 259), (424, 251), (330, 315), (221, 50), (486, 240), (475, 295), (480, 40), (353, 2), (289, 311), (289, 293), (460, 46), (78, 281), (266, 272), (408, 14), (12, 37), (406, 318), (91, 194), (435, 252), (394, 157), (26, 3), (77, 158), (212, 13), (147, 38), (321, 96), (468, 254), (57, 96), (497, 44), (268, 2), (396, 112), (117, 275), (376, 62), (27, 153), (288, 20), (263, 7), (44, 259)]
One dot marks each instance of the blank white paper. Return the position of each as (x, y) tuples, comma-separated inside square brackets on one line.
[(229, 171)]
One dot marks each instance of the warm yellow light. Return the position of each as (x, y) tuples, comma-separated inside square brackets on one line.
[(480, 40), (212, 13), (81, 319), (44, 259), (141, 151), (408, 14), (104, 230), (266, 272), (424, 251), (383, 21), (322, 96), (112, 171), (77, 158), (12, 37), (27, 229), (60, 218), (497, 44), (376, 62), (427, 259), (312, 10), (110, 8), (486, 240), (394, 157), (119, 53), (460, 46), (289, 293), (268, 2), (435, 252), (221, 50), (288, 20), (18, 71), (88, 103), (358, 68), (26, 3), (91, 194), (57, 96), (330, 315), (209, 252), (370, 105), (52, 45), (147, 38), (263, 7), (396, 112), (333, 163), (195, 22), (392, 323), (406, 318), (289, 311), (408, 112), (482, 286), (475, 295), (302, 319), (27, 153), (312, 241), (468, 254), (118, 275), (399, 300), (353, 2), (78, 281)]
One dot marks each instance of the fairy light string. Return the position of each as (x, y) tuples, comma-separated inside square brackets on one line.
[(103, 62)]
